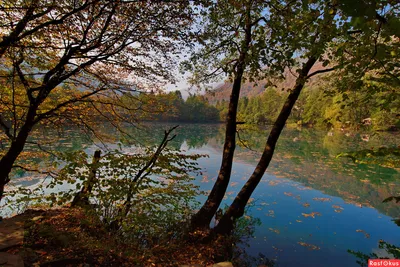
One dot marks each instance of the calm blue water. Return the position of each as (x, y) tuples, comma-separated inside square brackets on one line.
[(280, 204), (314, 209)]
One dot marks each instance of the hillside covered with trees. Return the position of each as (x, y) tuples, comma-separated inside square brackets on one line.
[(375, 106)]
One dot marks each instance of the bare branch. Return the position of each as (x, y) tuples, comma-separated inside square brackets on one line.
[(243, 143), (321, 71), (53, 174)]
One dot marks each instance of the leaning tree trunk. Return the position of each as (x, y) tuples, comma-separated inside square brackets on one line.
[(203, 217), (126, 207), (236, 209), (17, 145)]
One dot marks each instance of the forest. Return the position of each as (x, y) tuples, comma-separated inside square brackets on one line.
[(100, 164), (171, 107), (326, 109)]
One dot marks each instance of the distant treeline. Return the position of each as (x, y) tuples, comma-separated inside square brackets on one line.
[(316, 107), (171, 107)]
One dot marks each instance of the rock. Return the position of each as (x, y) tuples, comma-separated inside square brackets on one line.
[(12, 229), (11, 233), (10, 260), (223, 264)]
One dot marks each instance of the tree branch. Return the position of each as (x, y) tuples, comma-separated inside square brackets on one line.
[(66, 103), (321, 71), (18, 33)]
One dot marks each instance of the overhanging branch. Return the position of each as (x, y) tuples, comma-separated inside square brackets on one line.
[(321, 71)]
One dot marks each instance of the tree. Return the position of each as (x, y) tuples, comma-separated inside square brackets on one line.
[(313, 31), (228, 47), (56, 55), (324, 32), (253, 40)]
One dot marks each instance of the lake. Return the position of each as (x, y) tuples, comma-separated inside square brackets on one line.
[(312, 206)]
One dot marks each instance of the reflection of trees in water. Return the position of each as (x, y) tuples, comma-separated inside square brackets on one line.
[(195, 135), (308, 156), (41, 148)]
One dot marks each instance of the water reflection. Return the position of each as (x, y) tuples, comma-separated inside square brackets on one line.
[(313, 207), (306, 156)]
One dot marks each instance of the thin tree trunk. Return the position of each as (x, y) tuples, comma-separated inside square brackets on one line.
[(203, 217), (82, 197), (17, 145), (124, 210), (236, 209)]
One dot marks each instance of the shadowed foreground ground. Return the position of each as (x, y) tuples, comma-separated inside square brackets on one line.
[(70, 237)]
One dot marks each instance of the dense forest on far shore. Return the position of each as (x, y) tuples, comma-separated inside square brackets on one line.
[(369, 106), (171, 107)]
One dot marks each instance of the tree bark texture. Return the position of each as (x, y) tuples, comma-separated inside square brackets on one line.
[(203, 217), (82, 197), (236, 209), (17, 145)]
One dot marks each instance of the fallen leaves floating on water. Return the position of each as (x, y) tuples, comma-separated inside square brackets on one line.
[(274, 230), (277, 249), (337, 208), (291, 195), (312, 214), (322, 199), (306, 204), (205, 179), (362, 231), (273, 183), (303, 188), (271, 213), (299, 221), (309, 246)]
